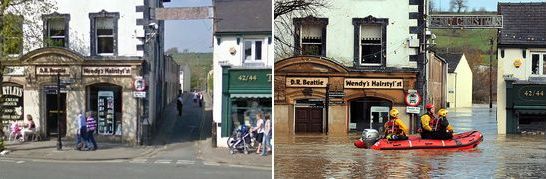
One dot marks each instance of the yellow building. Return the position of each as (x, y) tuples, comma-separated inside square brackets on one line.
[(459, 80)]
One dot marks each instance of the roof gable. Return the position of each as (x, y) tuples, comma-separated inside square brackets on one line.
[(452, 59)]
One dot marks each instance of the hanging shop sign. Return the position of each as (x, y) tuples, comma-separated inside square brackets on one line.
[(105, 112), (47, 70), (306, 82), (465, 21), (14, 71), (106, 71), (11, 103), (373, 83)]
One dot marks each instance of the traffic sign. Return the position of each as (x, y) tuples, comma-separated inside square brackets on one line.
[(139, 94), (139, 84), (413, 110), (412, 98)]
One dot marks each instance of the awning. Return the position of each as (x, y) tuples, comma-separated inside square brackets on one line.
[(250, 95), (530, 110)]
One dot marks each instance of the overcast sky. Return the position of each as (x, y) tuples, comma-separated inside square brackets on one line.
[(196, 35)]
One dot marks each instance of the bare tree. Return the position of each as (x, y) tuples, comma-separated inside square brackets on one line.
[(284, 13), (459, 5)]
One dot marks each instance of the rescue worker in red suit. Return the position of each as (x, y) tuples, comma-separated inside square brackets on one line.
[(433, 127), (395, 129)]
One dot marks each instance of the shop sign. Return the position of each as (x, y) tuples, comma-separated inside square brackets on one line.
[(413, 110), (14, 71), (532, 93), (250, 79), (306, 82), (11, 103), (106, 71), (367, 83), (465, 21), (44, 70)]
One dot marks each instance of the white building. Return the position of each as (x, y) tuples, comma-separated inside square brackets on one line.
[(242, 61), (459, 80), (185, 78), (99, 48)]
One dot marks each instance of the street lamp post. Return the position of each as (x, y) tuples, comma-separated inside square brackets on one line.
[(59, 143)]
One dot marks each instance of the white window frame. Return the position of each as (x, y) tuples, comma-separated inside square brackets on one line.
[(253, 51), (360, 47), (541, 59)]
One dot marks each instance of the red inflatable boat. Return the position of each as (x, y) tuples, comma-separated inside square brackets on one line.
[(466, 140)]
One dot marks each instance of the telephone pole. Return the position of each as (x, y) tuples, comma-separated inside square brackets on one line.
[(490, 72)]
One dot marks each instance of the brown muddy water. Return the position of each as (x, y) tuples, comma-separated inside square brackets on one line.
[(498, 156)]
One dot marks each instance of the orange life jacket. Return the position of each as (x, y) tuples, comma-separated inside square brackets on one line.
[(392, 127)]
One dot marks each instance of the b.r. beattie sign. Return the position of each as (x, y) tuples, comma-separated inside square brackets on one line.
[(44, 70), (106, 71)]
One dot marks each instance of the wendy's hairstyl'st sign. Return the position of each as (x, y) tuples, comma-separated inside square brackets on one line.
[(374, 83), (465, 21)]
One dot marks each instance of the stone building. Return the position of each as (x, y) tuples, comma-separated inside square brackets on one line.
[(99, 52), (350, 65), (521, 79)]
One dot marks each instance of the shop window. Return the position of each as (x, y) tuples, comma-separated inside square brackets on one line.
[(310, 36), (104, 33), (370, 45), (370, 41), (12, 33), (56, 30), (244, 110), (538, 64), (252, 51), (104, 100)]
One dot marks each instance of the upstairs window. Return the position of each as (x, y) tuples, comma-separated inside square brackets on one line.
[(56, 30), (538, 63), (312, 40), (104, 33), (11, 34), (252, 51), (371, 46), (310, 36)]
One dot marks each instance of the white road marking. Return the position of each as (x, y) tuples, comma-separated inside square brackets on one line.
[(211, 163), (163, 161), (20, 161), (138, 161), (185, 162)]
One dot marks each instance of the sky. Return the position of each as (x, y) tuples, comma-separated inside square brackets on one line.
[(196, 35), (489, 5)]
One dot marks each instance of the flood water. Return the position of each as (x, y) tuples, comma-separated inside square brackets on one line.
[(498, 156)]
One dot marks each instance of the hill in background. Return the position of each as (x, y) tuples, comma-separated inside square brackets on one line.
[(200, 65)]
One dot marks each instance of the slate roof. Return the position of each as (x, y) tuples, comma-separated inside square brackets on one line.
[(452, 59), (242, 16), (523, 24)]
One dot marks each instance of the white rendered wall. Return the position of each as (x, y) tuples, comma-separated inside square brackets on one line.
[(463, 88)]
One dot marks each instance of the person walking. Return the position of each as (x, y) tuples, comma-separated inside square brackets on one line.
[(179, 104), (200, 99), (91, 127), (267, 135), (81, 131), (260, 129)]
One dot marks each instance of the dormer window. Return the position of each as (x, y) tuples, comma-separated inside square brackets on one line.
[(310, 36), (56, 30), (104, 33)]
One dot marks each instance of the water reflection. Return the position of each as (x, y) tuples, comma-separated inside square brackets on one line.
[(499, 156)]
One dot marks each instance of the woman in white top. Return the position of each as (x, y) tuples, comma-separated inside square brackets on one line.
[(30, 127), (260, 129)]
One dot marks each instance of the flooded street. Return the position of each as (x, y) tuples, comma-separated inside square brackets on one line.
[(498, 156)]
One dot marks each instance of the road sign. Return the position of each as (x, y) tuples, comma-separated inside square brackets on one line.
[(413, 110), (412, 98), (68, 81), (139, 84), (139, 94)]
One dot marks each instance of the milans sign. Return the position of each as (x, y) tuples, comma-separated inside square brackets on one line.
[(11, 102), (374, 83)]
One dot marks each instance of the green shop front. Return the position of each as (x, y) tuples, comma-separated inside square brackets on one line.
[(525, 105), (245, 93)]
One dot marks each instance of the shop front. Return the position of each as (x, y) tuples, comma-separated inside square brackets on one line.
[(102, 87), (318, 95), (246, 92), (526, 106)]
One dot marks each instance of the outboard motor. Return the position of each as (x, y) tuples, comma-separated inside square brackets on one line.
[(369, 137)]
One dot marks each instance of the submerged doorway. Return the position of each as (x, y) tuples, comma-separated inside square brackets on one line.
[(51, 113), (309, 116), (368, 112)]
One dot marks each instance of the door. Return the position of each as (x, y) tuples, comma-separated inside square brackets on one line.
[(51, 114), (378, 115), (308, 120)]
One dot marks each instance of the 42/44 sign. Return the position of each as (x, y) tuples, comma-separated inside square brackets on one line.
[(247, 78), (533, 93)]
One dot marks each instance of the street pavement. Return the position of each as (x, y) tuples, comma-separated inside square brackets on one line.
[(181, 148)]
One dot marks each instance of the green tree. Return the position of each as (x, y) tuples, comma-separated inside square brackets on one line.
[(14, 39)]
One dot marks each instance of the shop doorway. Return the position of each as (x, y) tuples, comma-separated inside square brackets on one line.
[(309, 116), (54, 115), (368, 113)]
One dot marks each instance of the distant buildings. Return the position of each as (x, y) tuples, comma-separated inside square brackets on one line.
[(459, 80), (521, 79), (242, 62)]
